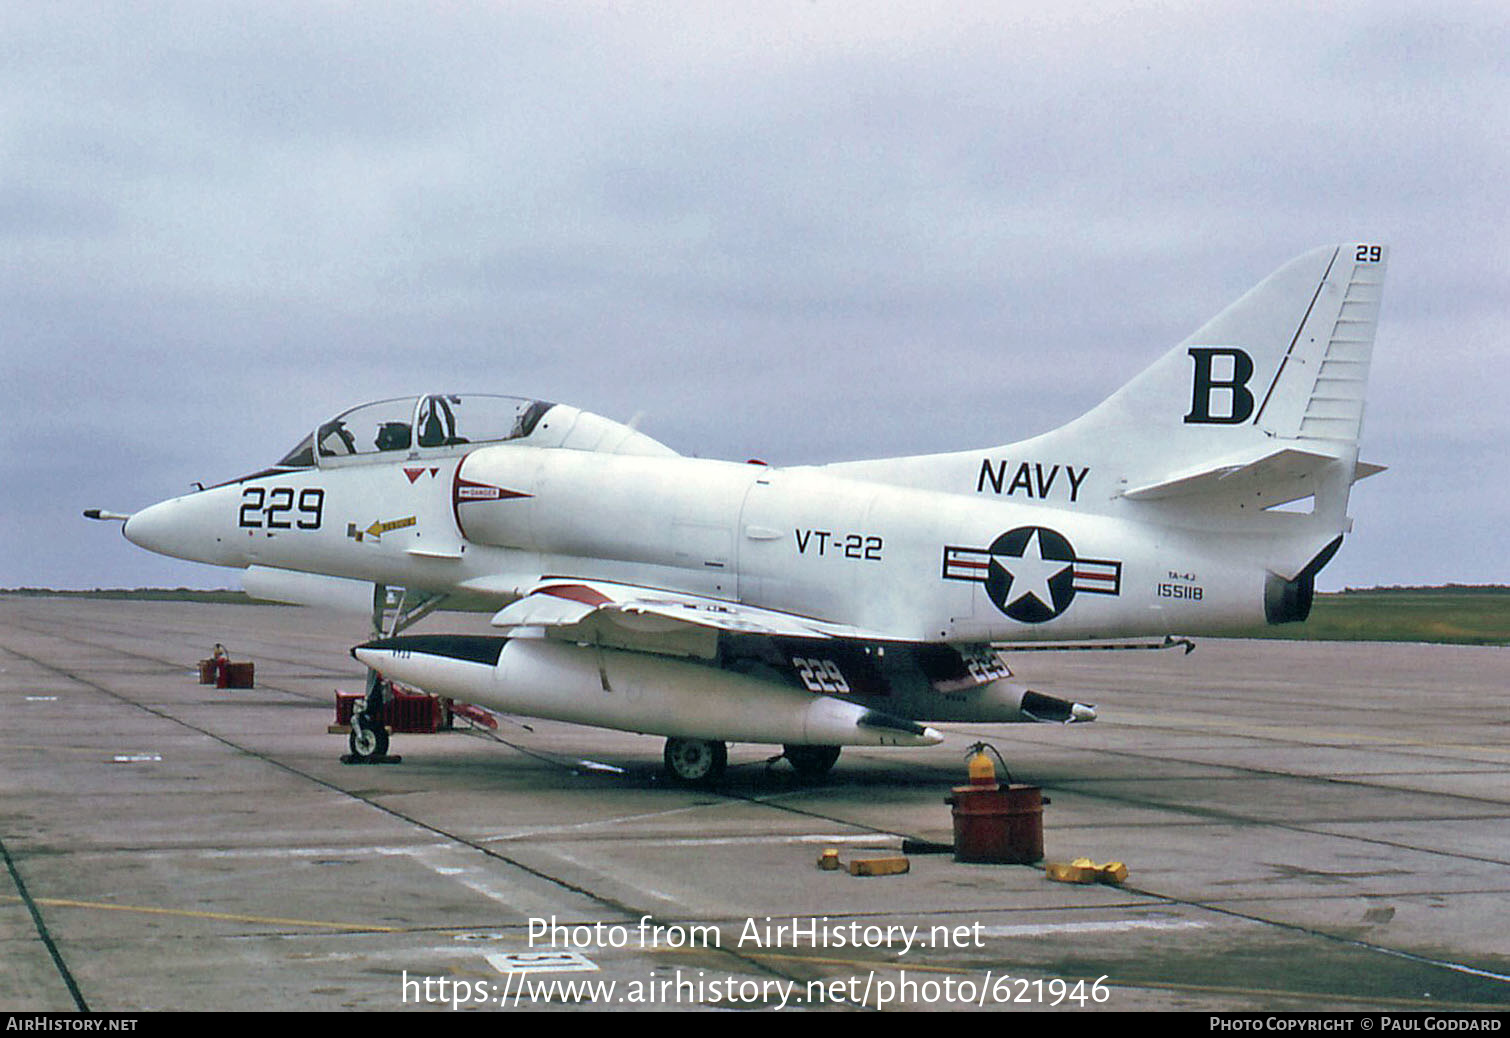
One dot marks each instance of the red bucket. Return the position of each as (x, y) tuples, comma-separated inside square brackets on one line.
[(998, 826)]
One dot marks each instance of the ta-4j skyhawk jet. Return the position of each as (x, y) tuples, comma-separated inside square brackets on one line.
[(819, 606)]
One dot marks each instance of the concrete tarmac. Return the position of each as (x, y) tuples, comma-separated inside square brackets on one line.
[(1307, 827)]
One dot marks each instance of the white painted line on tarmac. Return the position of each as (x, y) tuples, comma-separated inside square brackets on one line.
[(441, 862)]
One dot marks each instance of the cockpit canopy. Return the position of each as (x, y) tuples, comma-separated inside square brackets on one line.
[(409, 424)]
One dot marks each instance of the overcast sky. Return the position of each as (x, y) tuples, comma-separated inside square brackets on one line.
[(800, 231)]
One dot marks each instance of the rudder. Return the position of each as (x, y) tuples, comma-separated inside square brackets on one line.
[(1318, 391)]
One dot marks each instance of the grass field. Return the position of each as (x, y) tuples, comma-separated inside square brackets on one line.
[(1461, 615), (142, 594)]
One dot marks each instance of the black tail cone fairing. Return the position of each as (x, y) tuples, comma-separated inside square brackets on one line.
[(1289, 601)]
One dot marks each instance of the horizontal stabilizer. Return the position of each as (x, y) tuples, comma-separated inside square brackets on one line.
[(1260, 478)]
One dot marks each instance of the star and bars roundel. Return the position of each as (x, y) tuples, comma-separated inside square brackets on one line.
[(1031, 573)]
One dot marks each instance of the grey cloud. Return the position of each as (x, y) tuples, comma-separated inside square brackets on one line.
[(802, 231)]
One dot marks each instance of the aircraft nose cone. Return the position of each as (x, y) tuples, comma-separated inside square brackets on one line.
[(150, 527), (183, 527)]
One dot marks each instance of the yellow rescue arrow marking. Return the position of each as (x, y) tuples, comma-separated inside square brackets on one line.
[(380, 528)]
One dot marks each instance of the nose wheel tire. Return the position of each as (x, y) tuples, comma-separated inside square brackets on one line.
[(368, 738), (695, 762)]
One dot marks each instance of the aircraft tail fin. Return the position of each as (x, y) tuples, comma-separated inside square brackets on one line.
[(1288, 361), (1260, 407)]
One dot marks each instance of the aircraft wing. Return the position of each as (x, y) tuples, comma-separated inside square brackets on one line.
[(907, 678), (587, 608)]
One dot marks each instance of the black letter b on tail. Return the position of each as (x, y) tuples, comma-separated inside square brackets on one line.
[(1205, 385)]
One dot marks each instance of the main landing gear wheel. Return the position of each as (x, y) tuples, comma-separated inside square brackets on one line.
[(368, 739), (696, 762), (812, 762)]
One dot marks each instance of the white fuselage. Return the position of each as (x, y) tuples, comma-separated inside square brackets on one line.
[(912, 564)]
